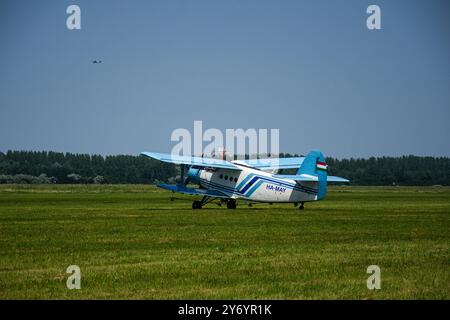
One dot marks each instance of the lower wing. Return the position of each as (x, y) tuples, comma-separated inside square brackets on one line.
[(194, 192)]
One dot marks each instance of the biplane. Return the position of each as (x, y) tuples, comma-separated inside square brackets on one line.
[(253, 180)]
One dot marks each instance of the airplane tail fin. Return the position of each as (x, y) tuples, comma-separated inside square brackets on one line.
[(314, 165)]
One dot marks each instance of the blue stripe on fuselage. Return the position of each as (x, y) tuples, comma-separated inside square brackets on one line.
[(261, 180), (243, 182), (249, 184)]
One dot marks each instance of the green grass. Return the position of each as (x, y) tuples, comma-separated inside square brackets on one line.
[(131, 242)]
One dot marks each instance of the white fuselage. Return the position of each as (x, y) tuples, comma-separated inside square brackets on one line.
[(256, 185)]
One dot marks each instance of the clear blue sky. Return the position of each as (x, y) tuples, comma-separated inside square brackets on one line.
[(310, 68)]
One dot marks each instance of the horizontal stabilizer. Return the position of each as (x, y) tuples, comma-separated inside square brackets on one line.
[(336, 179), (193, 192)]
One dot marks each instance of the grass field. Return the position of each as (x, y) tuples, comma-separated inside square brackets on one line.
[(131, 242)]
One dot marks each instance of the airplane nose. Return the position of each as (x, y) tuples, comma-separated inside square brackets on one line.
[(194, 175)]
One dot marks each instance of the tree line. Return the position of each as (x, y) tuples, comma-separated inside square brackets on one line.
[(57, 167)]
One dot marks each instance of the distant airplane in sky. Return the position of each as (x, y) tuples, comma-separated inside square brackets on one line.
[(97, 61), (251, 180)]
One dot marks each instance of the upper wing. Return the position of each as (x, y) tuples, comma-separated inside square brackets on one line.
[(273, 163), (308, 177), (194, 192), (192, 161)]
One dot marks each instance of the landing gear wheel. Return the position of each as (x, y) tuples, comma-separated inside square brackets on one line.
[(196, 204), (301, 206), (231, 204)]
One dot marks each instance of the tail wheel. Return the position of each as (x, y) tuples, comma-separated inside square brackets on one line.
[(301, 207), (231, 204), (196, 204)]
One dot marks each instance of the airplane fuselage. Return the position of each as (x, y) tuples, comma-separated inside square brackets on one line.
[(253, 185)]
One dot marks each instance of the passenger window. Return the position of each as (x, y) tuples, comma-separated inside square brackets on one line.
[(231, 178), (235, 179), (221, 176), (226, 177)]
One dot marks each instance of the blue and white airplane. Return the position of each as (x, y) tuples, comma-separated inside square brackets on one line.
[(251, 180)]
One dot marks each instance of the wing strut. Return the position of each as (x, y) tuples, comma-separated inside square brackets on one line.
[(182, 182)]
